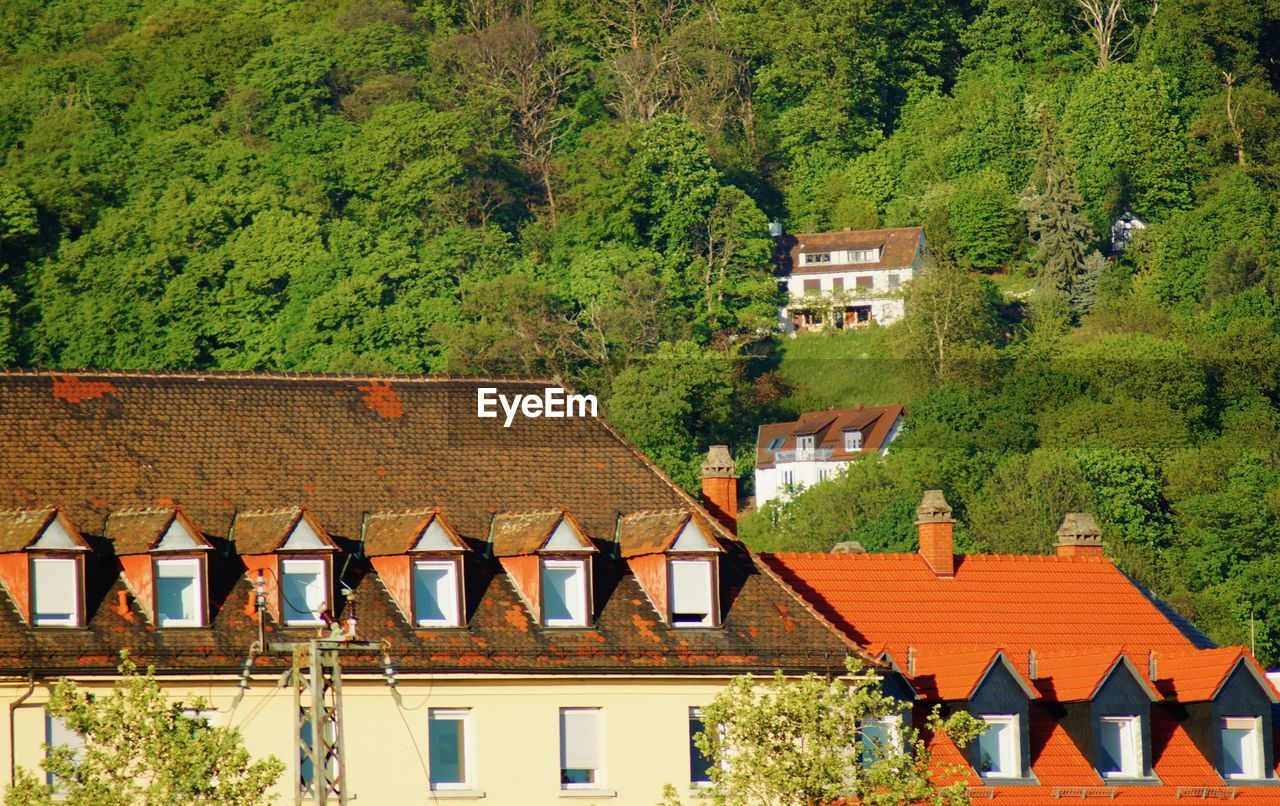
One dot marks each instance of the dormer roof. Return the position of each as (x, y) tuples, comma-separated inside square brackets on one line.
[(516, 534), (957, 676), (1078, 677), (422, 530), (269, 531), (44, 529), (661, 530), (1199, 676), (139, 531)]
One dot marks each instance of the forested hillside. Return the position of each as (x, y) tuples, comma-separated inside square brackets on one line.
[(582, 188)]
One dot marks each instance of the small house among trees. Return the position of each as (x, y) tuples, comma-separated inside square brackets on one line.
[(846, 279), (1123, 229)]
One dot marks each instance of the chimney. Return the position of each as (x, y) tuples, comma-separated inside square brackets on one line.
[(720, 486), (933, 525), (1079, 536)]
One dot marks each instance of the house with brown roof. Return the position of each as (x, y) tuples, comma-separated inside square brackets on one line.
[(795, 455), (1091, 688), (846, 279), (552, 609)]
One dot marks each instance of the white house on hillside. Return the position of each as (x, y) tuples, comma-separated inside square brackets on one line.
[(799, 454), (846, 279)]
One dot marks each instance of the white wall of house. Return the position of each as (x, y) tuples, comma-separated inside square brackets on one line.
[(883, 296), (785, 479)]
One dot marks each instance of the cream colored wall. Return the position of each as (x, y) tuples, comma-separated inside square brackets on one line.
[(515, 724)]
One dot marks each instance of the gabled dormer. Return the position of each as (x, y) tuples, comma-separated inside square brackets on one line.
[(42, 566), (676, 559), (1229, 707), (547, 555), (419, 558), (1107, 699), (988, 685), (164, 561), (293, 556)]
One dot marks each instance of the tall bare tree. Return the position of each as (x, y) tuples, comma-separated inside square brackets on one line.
[(1107, 23), (639, 44), (511, 60), (1237, 134)]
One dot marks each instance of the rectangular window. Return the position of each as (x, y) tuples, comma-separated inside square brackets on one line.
[(864, 282), (699, 765), (1120, 747), (56, 593), (837, 283), (881, 738), (866, 255), (816, 257), (894, 281), (448, 734), (57, 734), (581, 757), (179, 594), (1242, 747), (788, 477), (564, 593), (804, 447), (692, 585), (852, 441), (812, 286), (1000, 748), (435, 593), (303, 586)]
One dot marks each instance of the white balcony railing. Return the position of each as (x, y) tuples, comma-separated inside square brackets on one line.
[(806, 455)]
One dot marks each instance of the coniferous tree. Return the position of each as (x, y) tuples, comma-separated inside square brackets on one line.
[(1054, 220), (1084, 291)]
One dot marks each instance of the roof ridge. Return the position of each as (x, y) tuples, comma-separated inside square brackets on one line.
[(196, 374)]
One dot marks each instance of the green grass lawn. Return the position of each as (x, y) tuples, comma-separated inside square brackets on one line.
[(842, 368)]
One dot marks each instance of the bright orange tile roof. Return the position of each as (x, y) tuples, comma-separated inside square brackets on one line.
[(1018, 603), (1075, 677), (956, 675), (1197, 676)]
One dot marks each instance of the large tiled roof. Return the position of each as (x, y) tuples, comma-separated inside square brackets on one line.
[(1017, 603), (828, 428), (899, 248), (271, 447)]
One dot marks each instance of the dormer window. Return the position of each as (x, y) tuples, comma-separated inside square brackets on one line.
[(1120, 747), (435, 593), (293, 557), (56, 597), (865, 255), (676, 561), (420, 558), (692, 586), (1243, 751), (564, 593), (162, 556), (1000, 747), (179, 592), (852, 441), (304, 590), (804, 447), (812, 258), (881, 738)]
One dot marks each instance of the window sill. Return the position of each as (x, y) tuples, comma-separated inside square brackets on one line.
[(456, 794), (1131, 780), (1010, 781), (588, 793)]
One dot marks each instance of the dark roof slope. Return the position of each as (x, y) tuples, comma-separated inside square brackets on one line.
[(343, 447), (899, 247), (828, 428)]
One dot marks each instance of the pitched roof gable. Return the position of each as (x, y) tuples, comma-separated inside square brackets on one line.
[(658, 531), (1199, 676), (1078, 677), (269, 531), (957, 676), (388, 533), (828, 429), (899, 248), (42, 529), (139, 531), (516, 534)]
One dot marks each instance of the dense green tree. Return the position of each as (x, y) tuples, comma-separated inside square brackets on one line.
[(1054, 218)]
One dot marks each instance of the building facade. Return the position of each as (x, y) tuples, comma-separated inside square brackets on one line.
[(552, 608), (793, 456), (846, 279)]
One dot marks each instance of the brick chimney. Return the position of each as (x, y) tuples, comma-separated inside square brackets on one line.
[(933, 525), (1079, 536), (720, 486)]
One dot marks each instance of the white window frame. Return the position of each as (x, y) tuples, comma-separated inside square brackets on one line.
[(325, 585), (852, 441), (1010, 749), (812, 258), (197, 574), (891, 726), (1254, 765), (462, 715), (695, 712), (582, 616), (865, 256), (1130, 738), (708, 620), (804, 447), (59, 619), (450, 608), (599, 768), (56, 728)]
